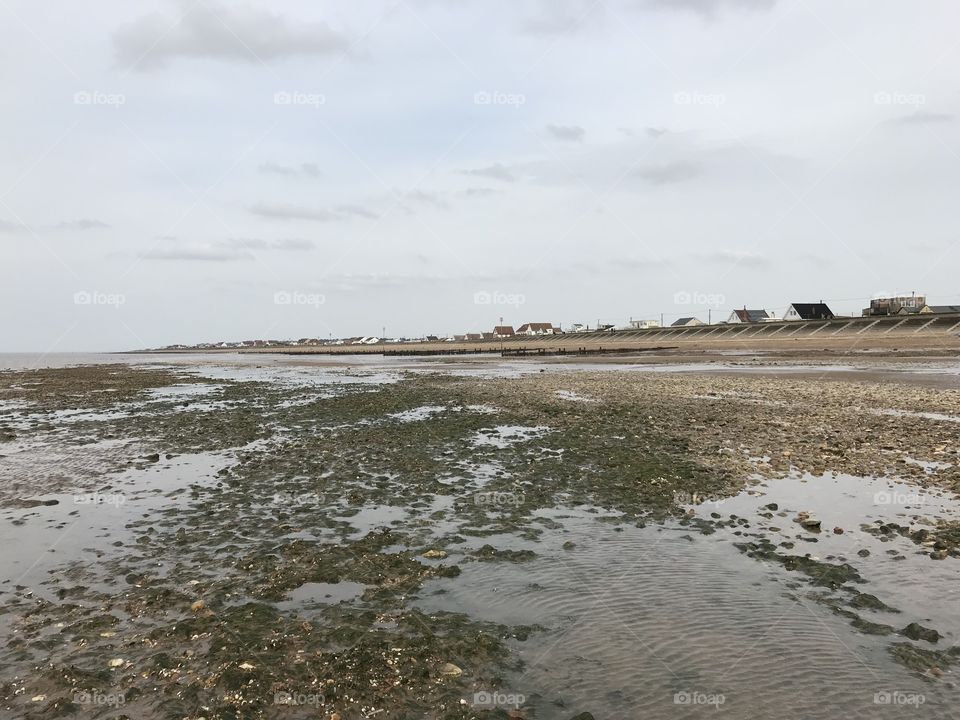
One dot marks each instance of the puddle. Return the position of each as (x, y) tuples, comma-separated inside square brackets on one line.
[(315, 593), (503, 436)]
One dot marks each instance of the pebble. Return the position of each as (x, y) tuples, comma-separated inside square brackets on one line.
[(451, 670)]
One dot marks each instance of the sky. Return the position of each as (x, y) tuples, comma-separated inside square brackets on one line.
[(183, 171)]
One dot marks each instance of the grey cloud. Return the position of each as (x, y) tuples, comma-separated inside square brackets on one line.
[(669, 173), (10, 227), (351, 210), (737, 257), (923, 118), (218, 31), (566, 133), (83, 224), (201, 253), (480, 192), (655, 132), (496, 171), (708, 8), (293, 244), (308, 169), (428, 198), (298, 212)]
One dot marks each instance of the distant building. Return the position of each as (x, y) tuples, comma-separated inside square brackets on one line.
[(750, 316), (644, 324), (474, 336), (939, 309), (537, 329), (578, 327), (489, 336), (686, 322), (899, 305), (808, 311), (503, 331)]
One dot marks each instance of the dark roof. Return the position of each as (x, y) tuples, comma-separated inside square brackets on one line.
[(683, 321), (752, 315), (812, 311), (503, 330), (944, 308)]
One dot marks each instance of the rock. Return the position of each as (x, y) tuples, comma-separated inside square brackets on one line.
[(451, 670), (863, 553), (938, 555), (569, 545), (116, 662), (915, 631), (583, 716), (198, 606), (435, 554), (936, 672), (335, 716), (838, 531), (153, 458), (38, 698), (772, 506), (247, 666)]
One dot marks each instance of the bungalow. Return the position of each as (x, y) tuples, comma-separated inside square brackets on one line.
[(899, 305), (537, 329), (808, 311), (503, 331), (686, 322), (750, 316), (644, 324), (940, 309), (474, 336)]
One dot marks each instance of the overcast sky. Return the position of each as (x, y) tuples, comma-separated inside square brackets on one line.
[(186, 171)]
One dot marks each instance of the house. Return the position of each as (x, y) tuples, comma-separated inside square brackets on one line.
[(605, 326), (474, 336), (750, 316), (578, 327), (644, 324), (686, 322), (503, 331), (536, 329), (459, 338), (489, 336), (939, 309), (808, 311), (908, 304)]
